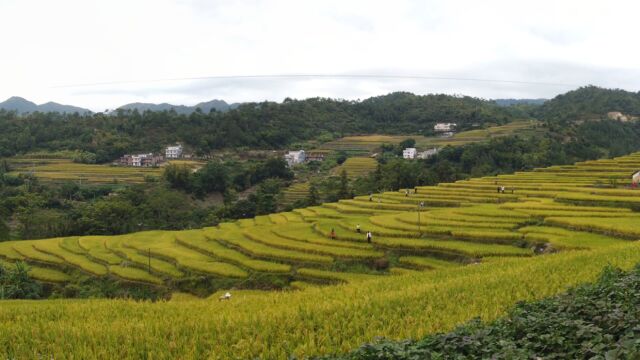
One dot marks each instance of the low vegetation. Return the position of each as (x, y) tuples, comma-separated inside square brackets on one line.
[(590, 321)]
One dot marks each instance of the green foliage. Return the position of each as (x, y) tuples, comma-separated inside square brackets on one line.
[(4, 231), (84, 157), (589, 102), (178, 176), (257, 125), (15, 283), (266, 197), (343, 192), (314, 196)]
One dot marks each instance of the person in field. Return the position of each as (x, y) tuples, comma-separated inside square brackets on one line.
[(333, 233), (358, 228), (226, 296), (369, 237)]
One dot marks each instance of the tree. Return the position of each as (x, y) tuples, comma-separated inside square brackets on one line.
[(4, 231), (274, 168), (266, 197), (314, 197), (407, 143), (341, 157), (109, 217), (178, 176), (344, 192), (213, 177), (4, 167)]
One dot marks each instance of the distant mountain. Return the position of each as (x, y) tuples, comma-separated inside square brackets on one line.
[(511, 102), (23, 106), (219, 105)]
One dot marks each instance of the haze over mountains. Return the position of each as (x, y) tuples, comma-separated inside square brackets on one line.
[(24, 106), (511, 102), (219, 105)]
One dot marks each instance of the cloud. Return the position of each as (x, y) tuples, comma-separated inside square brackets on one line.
[(70, 42)]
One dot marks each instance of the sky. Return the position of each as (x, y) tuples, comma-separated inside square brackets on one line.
[(102, 54)]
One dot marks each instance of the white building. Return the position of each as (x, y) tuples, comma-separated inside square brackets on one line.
[(140, 160), (173, 152), (295, 157), (409, 153), (427, 154), (445, 127)]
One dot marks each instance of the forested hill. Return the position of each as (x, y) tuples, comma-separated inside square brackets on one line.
[(271, 125), (589, 102), (258, 125)]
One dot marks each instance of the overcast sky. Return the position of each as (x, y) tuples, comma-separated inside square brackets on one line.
[(66, 50)]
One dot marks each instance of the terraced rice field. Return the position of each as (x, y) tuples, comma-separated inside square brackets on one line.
[(57, 170), (439, 256), (357, 166), (360, 145), (559, 208), (295, 192)]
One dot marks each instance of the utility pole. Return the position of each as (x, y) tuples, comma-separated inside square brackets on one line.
[(149, 269), (420, 206)]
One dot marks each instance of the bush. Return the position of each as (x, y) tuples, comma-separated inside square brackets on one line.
[(17, 284), (381, 264)]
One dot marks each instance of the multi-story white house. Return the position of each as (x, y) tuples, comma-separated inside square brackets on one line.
[(427, 154), (141, 160), (409, 153), (444, 127), (295, 157), (173, 152)]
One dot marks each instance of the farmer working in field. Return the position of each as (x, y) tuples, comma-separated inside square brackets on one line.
[(369, 236), (358, 228)]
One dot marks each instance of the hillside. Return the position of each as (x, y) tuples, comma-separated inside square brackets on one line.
[(264, 125), (589, 102), (270, 125), (457, 223), (562, 209)]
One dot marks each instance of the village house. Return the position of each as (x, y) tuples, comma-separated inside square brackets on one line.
[(409, 153), (295, 157), (444, 127), (427, 154), (173, 152), (141, 160), (315, 155)]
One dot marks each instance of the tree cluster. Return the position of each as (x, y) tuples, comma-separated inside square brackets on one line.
[(104, 137)]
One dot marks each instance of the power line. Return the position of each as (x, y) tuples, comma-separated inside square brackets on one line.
[(320, 76)]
